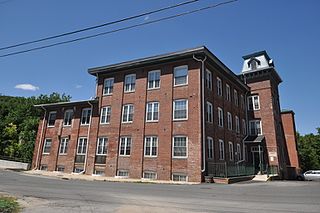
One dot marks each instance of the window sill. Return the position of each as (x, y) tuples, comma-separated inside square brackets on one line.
[(104, 95), (181, 85), (181, 119), (104, 123), (179, 158), (151, 89), (147, 156), (155, 121), (127, 122), (50, 126), (66, 126), (128, 92)]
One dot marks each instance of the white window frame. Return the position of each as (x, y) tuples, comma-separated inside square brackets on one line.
[(150, 172), (47, 140), (210, 147), (175, 69), (221, 149), (251, 103), (231, 153), (256, 129), (236, 97), (228, 92), (68, 115), (220, 117), (105, 115), (229, 120), (209, 79), (126, 139), (179, 174), (173, 146), (49, 117), (108, 90), (209, 112), (104, 145), (219, 87), (131, 85), (85, 114), (244, 127), (81, 142), (125, 118), (151, 146), (174, 111), (237, 120), (153, 112), (153, 85), (124, 171), (63, 148), (242, 101)]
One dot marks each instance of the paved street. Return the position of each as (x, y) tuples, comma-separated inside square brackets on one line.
[(43, 194)]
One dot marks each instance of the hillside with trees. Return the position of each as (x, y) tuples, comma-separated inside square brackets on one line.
[(19, 121)]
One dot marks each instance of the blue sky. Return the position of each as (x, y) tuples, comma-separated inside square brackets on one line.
[(288, 30)]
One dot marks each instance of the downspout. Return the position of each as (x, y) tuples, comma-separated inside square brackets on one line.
[(41, 135), (203, 114)]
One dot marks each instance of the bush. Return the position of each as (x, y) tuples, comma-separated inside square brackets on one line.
[(8, 205)]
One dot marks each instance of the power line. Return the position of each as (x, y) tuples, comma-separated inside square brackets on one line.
[(101, 25), (121, 29)]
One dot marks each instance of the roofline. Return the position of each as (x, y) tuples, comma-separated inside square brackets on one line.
[(66, 103), (285, 111), (166, 57), (255, 54)]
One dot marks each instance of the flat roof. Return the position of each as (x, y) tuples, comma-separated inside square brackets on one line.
[(67, 103)]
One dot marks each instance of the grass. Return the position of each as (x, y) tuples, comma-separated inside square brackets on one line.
[(8, 205)]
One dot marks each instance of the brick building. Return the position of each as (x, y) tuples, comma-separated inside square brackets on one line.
[(177, 116)]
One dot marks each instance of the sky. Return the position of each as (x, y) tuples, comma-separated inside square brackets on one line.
[(288, 30)]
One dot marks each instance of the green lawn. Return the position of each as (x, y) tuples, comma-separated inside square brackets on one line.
[(8, 205)]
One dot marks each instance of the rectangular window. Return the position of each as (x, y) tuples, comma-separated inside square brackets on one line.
[(210, 147), (82, 146), (86, 116), (44, 167), (47, 146), (221, 150), (102, 146), (52, 119), (150, 175), (63, 146), (255, 127), (209, 79), (78, 169), (60, 168), (244, 127), (220, 117), (239, 153), (228, 92), (125, 146), (123, 173), (230, 151), (105, 115), (180, 75), (150, 146), (209, 112), (67, 120), (130, 83), (253, 102), (219, 86), (127, 113), (237, 124), (180, 146), (236, 97), (154, 79), (179, 177), (99, 172), (152, 111), (108, 86), (229, 120), (180, 109), (242, 102)]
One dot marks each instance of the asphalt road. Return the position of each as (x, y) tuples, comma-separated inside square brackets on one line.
[(42, 194)]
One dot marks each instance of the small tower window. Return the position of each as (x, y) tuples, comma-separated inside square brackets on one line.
[(253, 63)]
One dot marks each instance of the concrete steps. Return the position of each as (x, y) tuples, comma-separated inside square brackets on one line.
[(260, 178)]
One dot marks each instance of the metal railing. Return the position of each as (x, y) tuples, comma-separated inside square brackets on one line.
[(224, 170)]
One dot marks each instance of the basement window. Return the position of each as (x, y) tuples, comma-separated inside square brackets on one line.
[(179, 177)]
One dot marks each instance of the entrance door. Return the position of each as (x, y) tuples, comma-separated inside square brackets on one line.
[(257, 159)]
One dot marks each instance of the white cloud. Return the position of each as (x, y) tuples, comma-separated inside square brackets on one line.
[(78, 86), (27, 87)]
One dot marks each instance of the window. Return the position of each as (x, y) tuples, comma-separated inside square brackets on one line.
[(102, 144), (244, 127), (209, 112), (229, 120), (130, 83), (210, 147), (60, 168), (127, 113), (150, 146), (220, 117), (180, 146), (99, 172), (237, 124), (255, 127), (228, 92), (230, 151), (179, 177), (123, 173), (67, 120), (125, 146), (242, 102), (78, 169), (152, 111), (63, 146), (180, 109), (236, 97), (181, 75), (105, 115), (253, 102), (52, 119), (108, 86), (82, 146), (44, 167), (85, 117), (209, 79), (150, 175), (154, 79), (239, 153), (47, 146), (219, 86), (221, 150)]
